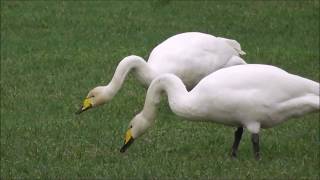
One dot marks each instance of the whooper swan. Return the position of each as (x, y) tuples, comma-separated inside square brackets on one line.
[(248, 96), (191, 56)]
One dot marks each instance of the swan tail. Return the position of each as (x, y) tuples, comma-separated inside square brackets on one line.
[(234, 44), (235, 60), (313, 86), (298, 106), (316, 89)]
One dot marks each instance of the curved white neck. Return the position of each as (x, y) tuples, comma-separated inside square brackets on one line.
[(142, 71), (175, 90)]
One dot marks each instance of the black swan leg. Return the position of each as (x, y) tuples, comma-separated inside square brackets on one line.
[(236, 142), (255, 145)]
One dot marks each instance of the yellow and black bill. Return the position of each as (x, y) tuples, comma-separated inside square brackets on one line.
[(128, 141), (87, 104)]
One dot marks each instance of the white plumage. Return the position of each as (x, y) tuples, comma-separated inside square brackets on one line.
[(251, 96), (191, 56)]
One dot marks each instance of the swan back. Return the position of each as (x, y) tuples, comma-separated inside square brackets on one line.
[(191, 56), (263, 93)]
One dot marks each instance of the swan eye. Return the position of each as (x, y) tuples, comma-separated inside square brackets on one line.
[(130, 126)]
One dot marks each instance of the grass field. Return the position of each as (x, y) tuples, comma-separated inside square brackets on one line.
[(52, 53)]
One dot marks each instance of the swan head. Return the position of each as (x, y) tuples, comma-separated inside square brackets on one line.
[(137, 127), (96, 97)]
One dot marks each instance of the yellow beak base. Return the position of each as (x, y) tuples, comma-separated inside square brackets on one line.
[(87, 104), (127, 142)]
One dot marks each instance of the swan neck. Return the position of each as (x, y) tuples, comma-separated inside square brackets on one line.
[(142, 71), (175, 90)]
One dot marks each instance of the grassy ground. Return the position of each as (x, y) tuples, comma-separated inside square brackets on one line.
[(52, 53)]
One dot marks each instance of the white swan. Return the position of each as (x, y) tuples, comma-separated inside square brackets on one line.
[(191, 56), (251, 96)]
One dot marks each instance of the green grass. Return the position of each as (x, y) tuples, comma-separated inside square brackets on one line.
[(53, 52)]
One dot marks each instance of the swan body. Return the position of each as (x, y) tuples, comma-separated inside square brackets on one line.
[(190, 56), (251, 96)]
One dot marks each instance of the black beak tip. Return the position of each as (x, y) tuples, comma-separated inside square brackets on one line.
[(125, 146), (122, 150)]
